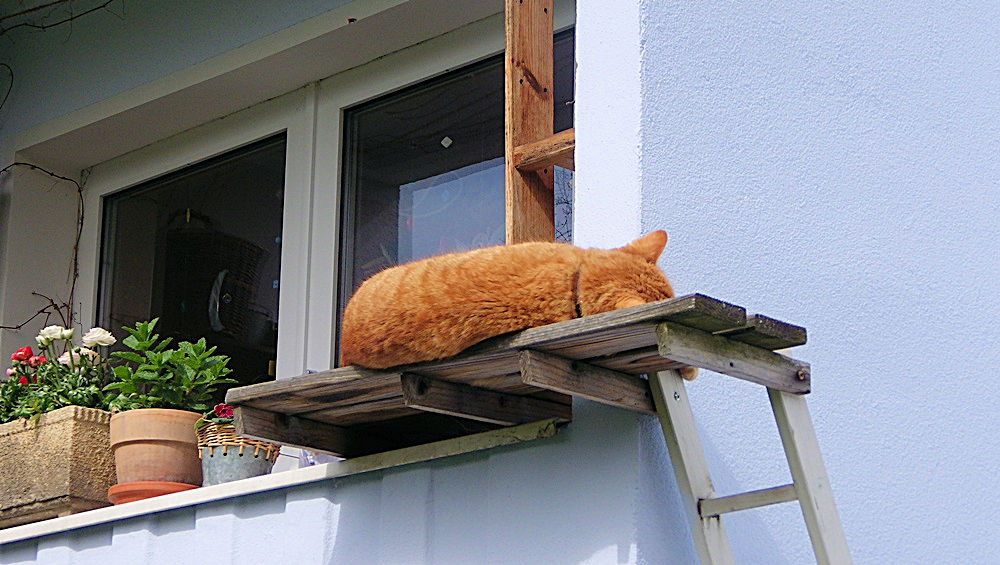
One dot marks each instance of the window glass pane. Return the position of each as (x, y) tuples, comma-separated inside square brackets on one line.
[(424, 168), (200, 249)]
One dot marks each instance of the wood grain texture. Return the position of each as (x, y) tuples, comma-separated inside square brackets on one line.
[(711, 507), (301, 432), (473, 403), (587, 381), (716, 353), (556, 150), (528, 112), (766, 332)]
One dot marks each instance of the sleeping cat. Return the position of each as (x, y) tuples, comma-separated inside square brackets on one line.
[(437, 307)]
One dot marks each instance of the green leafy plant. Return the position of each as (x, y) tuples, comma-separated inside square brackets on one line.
[(157, 377), (41, 383)]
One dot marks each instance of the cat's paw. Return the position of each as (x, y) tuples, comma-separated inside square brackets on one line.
[(689, 373)]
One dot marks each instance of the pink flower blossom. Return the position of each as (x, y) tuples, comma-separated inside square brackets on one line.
[(223, 411), (36, 360)]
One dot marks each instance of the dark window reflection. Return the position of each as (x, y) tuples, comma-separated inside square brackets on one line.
[(200, 249)]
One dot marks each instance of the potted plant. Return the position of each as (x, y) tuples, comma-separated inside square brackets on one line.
[(159, 395), (227, 456), (54, 427)]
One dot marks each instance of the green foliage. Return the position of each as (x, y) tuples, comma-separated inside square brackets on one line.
[(156, 377), (33, 391)]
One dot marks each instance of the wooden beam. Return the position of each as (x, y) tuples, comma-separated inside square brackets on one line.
[(766, 332), (716, 353), (308, 434), (581, 379), (479, 404), (528, 116), (710, 507), (445, 448), (555, 150)]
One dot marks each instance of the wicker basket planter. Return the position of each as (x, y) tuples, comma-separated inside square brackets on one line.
[(57, 465), (227, 456)]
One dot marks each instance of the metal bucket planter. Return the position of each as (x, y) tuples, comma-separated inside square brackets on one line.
[(57, 465), (227, 456)]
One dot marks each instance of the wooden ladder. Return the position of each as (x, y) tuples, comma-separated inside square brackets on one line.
[(531, 151)]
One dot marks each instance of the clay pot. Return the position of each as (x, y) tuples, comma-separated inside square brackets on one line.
[(156, 444), (139, 490)]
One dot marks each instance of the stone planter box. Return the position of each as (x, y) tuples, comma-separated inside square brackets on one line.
[(59, 465)]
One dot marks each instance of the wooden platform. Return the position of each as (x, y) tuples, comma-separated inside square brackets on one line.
[(521, 377)]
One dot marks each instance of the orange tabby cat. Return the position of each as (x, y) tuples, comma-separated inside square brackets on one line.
[(437, 307)]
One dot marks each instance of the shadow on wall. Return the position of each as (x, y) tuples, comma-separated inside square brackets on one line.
[(570, 499)]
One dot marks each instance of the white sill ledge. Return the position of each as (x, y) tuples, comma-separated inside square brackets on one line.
[(286, 479)]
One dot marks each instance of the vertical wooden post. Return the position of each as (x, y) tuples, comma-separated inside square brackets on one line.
[(528, 117)]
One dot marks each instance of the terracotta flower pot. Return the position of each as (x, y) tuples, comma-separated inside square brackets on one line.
[(156, 444)]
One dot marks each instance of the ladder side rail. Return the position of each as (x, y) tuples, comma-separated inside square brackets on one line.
[(812, 485), (688, 460)]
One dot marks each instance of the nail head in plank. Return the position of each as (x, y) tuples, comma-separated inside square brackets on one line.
[(709, 507), (555, 150), (483, 405), (581, 379), (304, 433), (766, 332), (740, 360)]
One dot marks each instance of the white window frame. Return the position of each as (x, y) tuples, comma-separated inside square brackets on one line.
[(312, 118)]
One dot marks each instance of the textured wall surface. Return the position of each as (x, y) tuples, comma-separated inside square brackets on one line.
[(836, 165), (567, 499)]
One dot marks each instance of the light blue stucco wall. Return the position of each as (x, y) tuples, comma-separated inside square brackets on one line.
[(837, 164)]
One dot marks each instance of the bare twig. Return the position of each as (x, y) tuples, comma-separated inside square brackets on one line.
[(67, 19), (33, 9), (67, 316)]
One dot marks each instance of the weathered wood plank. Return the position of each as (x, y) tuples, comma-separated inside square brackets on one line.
[(446, 448), (304, 433), (344, 386), (371, 411), (766, 332), (586, 337), (528, 111), (555, 150), (581, 379), (710, 507), (473, 403), (722, 355)]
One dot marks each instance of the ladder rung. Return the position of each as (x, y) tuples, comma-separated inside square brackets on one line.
[(709, 507), (553, 150)]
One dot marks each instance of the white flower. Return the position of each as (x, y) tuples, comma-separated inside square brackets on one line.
[(66, 333), (64, 359), (90, 353), (98, 336), (49, 334)]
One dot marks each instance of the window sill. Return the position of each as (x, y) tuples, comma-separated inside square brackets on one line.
[(281, 480)]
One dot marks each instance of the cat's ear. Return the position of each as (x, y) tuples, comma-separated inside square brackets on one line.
[(649, 246)]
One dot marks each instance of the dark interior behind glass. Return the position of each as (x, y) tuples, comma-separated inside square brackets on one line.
[(200, 249)]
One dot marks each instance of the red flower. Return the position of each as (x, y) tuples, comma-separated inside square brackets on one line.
[(36, 360), (22, 379), (21, 354), (223, 411)]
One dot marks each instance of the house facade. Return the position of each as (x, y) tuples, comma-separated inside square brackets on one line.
[(833, 165)]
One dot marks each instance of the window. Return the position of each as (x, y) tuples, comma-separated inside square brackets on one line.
[(200, 249), (423, 168)]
